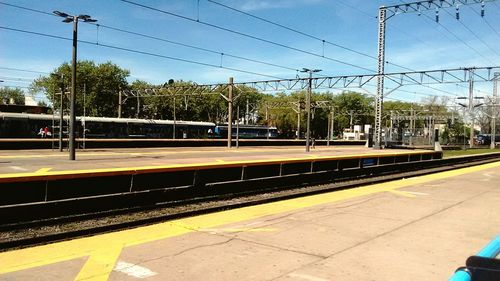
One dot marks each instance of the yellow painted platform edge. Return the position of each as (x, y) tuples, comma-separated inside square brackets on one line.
[(67, 174)]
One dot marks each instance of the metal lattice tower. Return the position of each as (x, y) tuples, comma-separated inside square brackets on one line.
[(403, 8), (379, 99)]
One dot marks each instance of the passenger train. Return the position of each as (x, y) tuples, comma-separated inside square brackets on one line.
[(23, 125)]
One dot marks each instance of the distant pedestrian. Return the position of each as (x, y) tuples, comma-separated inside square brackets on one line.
[(46, 132), (41, 133)]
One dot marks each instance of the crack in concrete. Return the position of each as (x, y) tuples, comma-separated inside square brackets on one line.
[(142, 262), (389, 231)]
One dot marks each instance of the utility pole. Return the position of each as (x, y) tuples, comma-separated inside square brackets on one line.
[(308, 106), (138, 106), (392, 125), (61, 114), (379, 98), (298, 120), (120, 104), (471, 107), (175, 121), (351, 115), (230, 112), (247, 116), (267, 120), (332, 124), (238, 126), (72, 120), (496, 81)]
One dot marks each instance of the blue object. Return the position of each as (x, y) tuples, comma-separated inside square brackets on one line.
[(489, 251)]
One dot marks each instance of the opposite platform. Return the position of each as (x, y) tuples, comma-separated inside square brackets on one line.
[(47, 162)]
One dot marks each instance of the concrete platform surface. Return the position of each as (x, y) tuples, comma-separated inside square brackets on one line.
[(43, 161), (419, 228)]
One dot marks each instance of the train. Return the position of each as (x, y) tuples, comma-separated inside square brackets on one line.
[(486, 138), (25, 125)]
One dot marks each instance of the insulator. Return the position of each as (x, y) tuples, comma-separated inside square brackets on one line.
[(437, 15), (482, 9), (457, 13)]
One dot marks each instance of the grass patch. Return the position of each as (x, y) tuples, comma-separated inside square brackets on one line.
[(453, 153)]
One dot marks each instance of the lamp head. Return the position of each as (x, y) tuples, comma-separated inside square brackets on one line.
[(61, 14)]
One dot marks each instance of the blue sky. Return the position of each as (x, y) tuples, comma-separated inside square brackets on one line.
[(416, 42)]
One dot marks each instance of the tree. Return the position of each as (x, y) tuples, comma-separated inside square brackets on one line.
[(361, 106), (6, 94), (98, 85)]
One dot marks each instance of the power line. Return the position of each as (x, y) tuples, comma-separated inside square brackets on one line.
[(19, 79), (28, 9), (356, 8), (401, 30), (222, 54), (24, 70), (161, 56), (291, 29), (304, 34), (486, 21), (12, 86), (146, 53), (139, 52), (245, 35), (195, 47), (475, 35), (453, 34)]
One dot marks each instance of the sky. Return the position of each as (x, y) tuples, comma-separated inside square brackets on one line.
[(194, 38)]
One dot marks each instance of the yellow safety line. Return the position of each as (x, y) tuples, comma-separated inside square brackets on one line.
[(100, 264), (239, 230), (204, 165), (118, 153), (43, 170), (90, 246)]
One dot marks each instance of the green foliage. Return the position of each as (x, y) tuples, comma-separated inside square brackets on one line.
[(6, 94), (98, 85)]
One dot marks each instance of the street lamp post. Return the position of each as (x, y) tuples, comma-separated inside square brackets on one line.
[(72, 120), (308, 105)]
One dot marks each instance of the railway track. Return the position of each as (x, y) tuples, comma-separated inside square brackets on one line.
[(18, 235)]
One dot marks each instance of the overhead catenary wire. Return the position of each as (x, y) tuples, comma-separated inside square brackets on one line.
[(222, 53), (196, 47), (156, 55), (151, 53), (453, 34), (475, 35), (291, 29), (247, 35), (24, 70), (18, 79), (304, 34), (139, 52), (486, 21)]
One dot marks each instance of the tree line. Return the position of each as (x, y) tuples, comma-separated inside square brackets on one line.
[(98, 87)]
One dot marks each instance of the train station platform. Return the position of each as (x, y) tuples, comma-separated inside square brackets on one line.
[(47, 162), (419, 228)]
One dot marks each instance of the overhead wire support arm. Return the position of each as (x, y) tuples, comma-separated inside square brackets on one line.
[(400, 79), (428, 5)]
